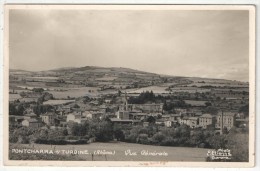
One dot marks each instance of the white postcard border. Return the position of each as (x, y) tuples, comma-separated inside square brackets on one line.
[(252, 84)]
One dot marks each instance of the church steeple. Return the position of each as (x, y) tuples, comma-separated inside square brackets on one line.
[(125, 102)]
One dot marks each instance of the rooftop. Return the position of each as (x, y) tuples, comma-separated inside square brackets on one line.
[(226, 114), (75, 114), (120, 120), (175, 115), (16, 116), (206, 116), (31, 114), (193, 118), (32, 120), (48, 114)]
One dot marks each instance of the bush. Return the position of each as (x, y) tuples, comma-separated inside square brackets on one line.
[(13, 138), (85, 137), (168, 141), (158, 138), (119, 135), (72, 137), (61, 138), (61, 142), (23, 139), (143, 139), (217, 141), (131, 138), (239, 147), (202, 145), (197, 138)]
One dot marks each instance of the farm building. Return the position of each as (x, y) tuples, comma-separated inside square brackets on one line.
[(192, 122), (226, 119), (206, 120), (33, 123)]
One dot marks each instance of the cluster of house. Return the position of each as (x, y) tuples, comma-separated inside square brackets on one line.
[(131, 114), (219, 121)]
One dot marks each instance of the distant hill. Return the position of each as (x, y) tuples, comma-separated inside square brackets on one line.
[(96, 68), (17, 70), (120, 74)]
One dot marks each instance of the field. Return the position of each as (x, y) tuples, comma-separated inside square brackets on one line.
[(155, 89), (216, 82), (174, 153), (75, 92), (64, 92), (195, 103), (57, 102), (13, 97), (45, 78), (30, 87), (218, 85), (106, 79), (189, 90)]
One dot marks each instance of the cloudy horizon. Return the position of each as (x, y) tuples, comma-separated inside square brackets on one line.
[(212, 44)]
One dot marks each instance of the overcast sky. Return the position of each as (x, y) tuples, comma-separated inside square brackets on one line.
[(212, 44)]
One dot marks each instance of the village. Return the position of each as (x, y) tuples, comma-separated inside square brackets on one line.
[(196, 104), (128, 114)]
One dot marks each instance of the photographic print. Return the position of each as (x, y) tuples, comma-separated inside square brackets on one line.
[(129, 85)]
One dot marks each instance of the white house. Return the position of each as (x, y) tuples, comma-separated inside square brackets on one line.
[(122, 114), (168, 123), (48, 118), (74, 117)]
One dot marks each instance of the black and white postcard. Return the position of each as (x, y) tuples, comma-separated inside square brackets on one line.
[(129, 85)]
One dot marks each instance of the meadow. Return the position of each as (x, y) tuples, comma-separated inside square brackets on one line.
[(155, 89), (74, 92)]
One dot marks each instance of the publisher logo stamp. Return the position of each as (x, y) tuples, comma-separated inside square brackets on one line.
[(219, 154)]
